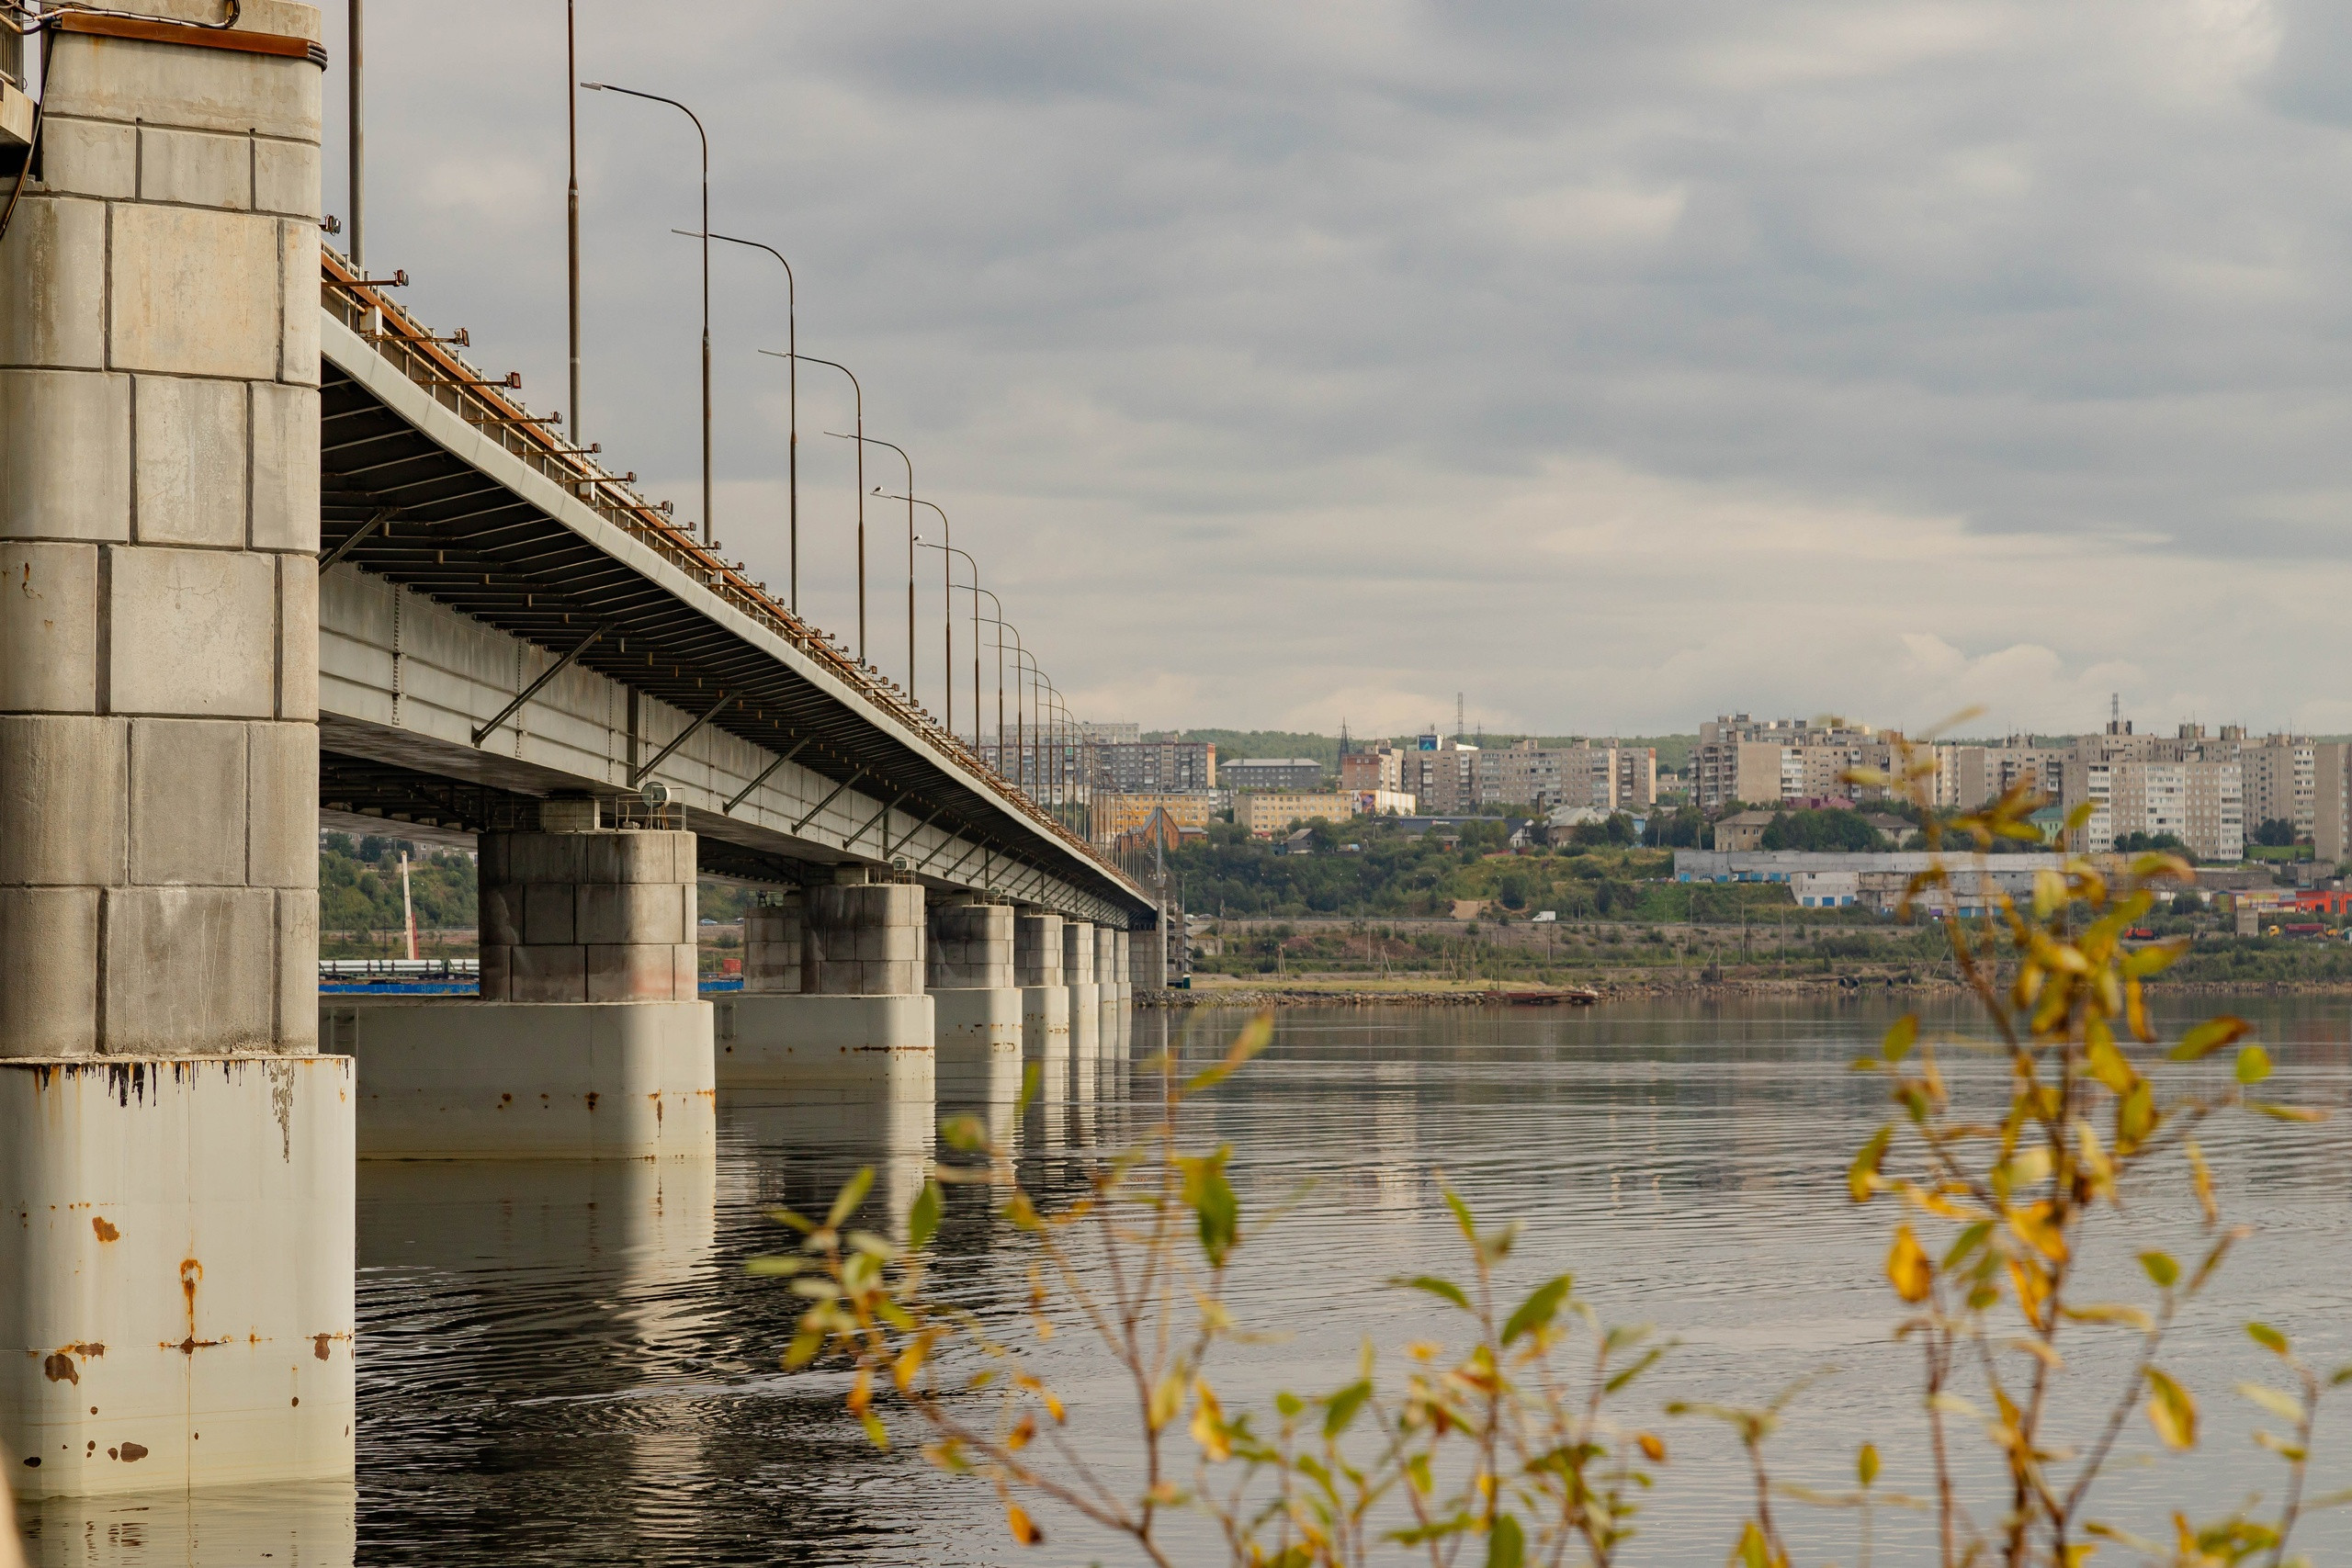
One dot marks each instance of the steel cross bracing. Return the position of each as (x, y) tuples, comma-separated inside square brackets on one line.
[(396, 503)]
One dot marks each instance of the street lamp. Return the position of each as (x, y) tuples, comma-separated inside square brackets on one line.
[(860, 390), (909, 499), (708, 523), (791, 398), (947, 620)]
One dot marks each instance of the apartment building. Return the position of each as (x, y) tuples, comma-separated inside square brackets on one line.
[(1376, 766), (1441, 775), (1273, 811), (1763, 762), (1273, 773), (1146, 767), (2200, 802), (1975, 776)]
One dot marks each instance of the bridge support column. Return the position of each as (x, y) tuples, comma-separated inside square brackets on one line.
[(1148, 958), (588, 1040), (1044, 999), (1110, 978), (1085, 1005), (977, 1007), (860, 1024), (175, 1178), (772, 944)]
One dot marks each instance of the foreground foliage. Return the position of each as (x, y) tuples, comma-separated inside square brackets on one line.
[(1517, 1442)]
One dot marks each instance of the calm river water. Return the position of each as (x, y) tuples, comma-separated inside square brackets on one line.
[(566, 1365)]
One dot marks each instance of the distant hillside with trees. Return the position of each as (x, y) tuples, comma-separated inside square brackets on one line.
[(359, 885)]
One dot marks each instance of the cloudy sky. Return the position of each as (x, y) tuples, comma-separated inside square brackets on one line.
[(1615, 364)]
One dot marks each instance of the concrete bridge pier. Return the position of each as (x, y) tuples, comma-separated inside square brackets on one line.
[(175, 1155), (860, 1024), (1113, 1006), (1085, 1006), (977, 1007), (588, 1039), (1044, 1000), (1148, 959), (772, 944)]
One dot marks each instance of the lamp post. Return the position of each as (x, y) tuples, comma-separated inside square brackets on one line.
[(571, 198), (947, 611), (947, 622), (791, 401), (860, 390), (708, 523), (909, 499), (996, 620)]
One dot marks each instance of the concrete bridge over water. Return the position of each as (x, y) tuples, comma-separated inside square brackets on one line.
[(271, 548)]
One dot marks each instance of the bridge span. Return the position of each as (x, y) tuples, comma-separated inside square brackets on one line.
[(472, 553)]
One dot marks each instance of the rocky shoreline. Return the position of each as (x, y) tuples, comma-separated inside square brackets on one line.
[(1846, 985)]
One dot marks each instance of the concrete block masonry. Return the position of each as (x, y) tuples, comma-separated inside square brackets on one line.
[(175, 1161), (828, 1047), (455, 1078), (975, 1006), (1085, 995), (175, 1272), (601, 916)]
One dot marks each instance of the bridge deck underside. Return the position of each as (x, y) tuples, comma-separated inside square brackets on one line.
[(468, 540)]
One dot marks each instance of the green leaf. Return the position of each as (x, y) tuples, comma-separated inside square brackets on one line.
[(804, 1345), (2268, 1338), (1343, 1406), (2161, 1269), (1866, 1464), (772, 1266), (1970, 1239), (1032, 1083), (852, 1194), (1901, 1037), (2208, 1037), (966, 1134), (1539, 1308), (1461, 1214), (2284, 1405), (1860, 1177), (1641, 1364), (923, 1217), (1506, 1547), (2171, 1411), (875, 1433), (2254, 1064), (1215, 1208), (1445, 1290)]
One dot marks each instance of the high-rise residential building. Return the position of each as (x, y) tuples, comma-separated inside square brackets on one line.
[(1764, 762), (1147, 767), (1126, 733), (1273, 773), (2281, 782), (1441, 773), (1978, 775), (1377, 765), (2331, 802), (1636, 778)]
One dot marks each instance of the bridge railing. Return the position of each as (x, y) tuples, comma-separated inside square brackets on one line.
[(432, 362)]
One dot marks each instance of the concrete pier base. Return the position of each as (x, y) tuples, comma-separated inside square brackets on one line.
[(455, 1077), (829, 1047), (1045, 1036), (176, 1271), (978, 1045), (1085, 1021)]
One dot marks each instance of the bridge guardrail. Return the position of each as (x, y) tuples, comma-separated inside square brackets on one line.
[(449, 378)]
